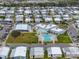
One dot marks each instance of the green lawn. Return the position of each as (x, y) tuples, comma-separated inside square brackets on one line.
[(63, 38), (23, 38)]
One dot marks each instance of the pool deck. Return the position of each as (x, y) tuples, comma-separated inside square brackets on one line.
[(42, 39)]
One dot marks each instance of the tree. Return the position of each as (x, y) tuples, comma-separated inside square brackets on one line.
[(15, 33)]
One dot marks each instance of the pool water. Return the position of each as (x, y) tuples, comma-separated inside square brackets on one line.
[(47, 37)]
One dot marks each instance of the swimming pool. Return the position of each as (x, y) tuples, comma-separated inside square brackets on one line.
[(47, 37)]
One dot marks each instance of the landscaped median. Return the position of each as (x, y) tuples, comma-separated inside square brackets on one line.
[(25, 37)]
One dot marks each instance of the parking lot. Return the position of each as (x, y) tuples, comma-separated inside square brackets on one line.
[(73, 33)]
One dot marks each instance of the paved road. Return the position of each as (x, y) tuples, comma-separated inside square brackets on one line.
[(39, 45)]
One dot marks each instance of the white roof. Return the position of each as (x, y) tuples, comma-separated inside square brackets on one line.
[(74, 7), (57, 16), (20, 51), (57, 19), (48, 19), (38, 19), (8, 19), (49, 26), (73, 51), (27, 7), (4, 51), (20, 10), (55, 50), (19, 17), (37, 1), (37, 51), (52, 10), (77, 21), (2, 12), (57, 29), (21, 27), (41, 25), (43, 10), (37, 16), (66, 16), (9, 11), (27, 11), (76, 12), (28, 19)]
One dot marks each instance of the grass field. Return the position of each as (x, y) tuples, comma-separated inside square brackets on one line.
[(63, 38), (23, 38)]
